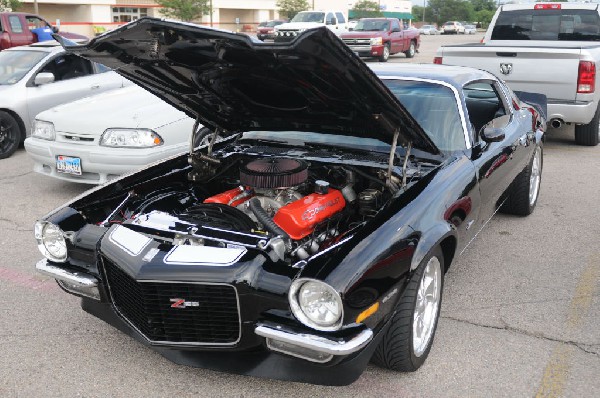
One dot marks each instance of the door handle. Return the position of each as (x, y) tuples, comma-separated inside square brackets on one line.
[(95, 86)]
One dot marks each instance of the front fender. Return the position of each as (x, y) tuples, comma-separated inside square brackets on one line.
[(430, 239)]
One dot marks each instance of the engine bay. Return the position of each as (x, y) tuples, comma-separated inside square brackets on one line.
[(294, 207)]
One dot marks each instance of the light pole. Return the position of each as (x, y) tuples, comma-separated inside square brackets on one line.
[(424, 3)]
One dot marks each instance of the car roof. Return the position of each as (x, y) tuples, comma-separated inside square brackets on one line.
[(45, 46), (456, 76)]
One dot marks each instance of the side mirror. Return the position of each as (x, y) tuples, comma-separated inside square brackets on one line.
[(43, 78), (331, 21), (55, 29), (492, 134)]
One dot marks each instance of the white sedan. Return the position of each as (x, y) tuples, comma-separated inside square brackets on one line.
[(99, 138), (37, 77)]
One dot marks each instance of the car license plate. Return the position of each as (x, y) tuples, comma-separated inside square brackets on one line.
[(68, 165)]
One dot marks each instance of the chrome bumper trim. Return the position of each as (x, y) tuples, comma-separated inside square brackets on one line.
[(317, 343), (61, 274)]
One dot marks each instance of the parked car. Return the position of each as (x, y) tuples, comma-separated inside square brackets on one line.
[(266, 30), (470, 29), (316, 237), (453, 27), (19, 29), (37, 77), (429, 30), (381, 37), (335, 20), (78, 142)]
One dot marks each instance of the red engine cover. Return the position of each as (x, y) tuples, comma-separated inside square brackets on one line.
[(299, 218), (227, 196)]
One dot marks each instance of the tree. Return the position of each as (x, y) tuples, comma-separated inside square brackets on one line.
[(10, 4), (366, 9), (451, 10), (289, 8), (480, 5), (184, 10)]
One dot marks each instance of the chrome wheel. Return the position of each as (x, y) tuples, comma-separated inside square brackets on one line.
[(535, 176), (386, 53), (429, 294)]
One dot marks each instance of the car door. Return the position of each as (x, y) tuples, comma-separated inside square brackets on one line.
[(19, 33), (496, 162), (396, 36), (75, 78)]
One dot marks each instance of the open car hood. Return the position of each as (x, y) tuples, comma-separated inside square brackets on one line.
[(230, 82)]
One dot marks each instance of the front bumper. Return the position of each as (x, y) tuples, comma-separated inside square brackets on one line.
[(368, 51), (98, 164), (307, 357)]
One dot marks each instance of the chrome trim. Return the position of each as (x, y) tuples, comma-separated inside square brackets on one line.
[(317, 343), (174, 343), (61, 274), (441, 83)]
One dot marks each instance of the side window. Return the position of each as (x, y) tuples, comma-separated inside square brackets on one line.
[(340, 17), (328, 18), (35, 22), (395, 24), (484, 104), (101, 68), (15, 24), (65, 67)]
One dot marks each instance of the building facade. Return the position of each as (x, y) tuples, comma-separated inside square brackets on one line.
[(90, 17)]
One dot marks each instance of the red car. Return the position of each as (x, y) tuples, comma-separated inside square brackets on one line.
[(382, 37), (266, 30)]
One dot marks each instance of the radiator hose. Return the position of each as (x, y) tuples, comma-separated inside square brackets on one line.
[(269, 224)]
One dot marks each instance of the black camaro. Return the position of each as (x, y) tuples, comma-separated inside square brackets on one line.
[(309, 230)]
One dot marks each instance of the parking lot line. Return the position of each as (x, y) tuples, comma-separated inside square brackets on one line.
[(557, 370)]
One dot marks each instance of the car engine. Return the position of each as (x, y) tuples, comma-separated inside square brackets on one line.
[(298, 207)]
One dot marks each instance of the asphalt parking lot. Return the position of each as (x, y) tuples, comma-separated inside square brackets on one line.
[(520, 316)]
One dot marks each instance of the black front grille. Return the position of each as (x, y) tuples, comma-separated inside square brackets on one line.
[(209, 314)]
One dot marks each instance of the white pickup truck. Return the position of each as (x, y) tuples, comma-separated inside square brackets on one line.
[(548, 48), (334, 20)]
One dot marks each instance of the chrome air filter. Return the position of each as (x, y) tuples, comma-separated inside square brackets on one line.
[(274, 173)]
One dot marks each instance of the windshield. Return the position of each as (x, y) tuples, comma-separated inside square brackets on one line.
[(309, 17), (372, 25), (435, 107), (15, 64), (546, 24)]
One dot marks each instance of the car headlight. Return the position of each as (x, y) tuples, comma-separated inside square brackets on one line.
[(316, 304), (130, 138), (51, 241), (43, 130), (376, 41)]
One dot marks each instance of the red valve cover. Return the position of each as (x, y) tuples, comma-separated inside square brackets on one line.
[(227, 196), (299, 218)]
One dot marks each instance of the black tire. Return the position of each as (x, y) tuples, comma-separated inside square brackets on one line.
[(589, 134), (396, 351), (10, 135), (411, 50), (519, 201), (386, 53)]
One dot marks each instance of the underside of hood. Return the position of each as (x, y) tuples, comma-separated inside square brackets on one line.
[(231, 82)]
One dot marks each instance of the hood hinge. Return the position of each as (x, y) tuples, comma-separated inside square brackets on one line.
[(391, 184)]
